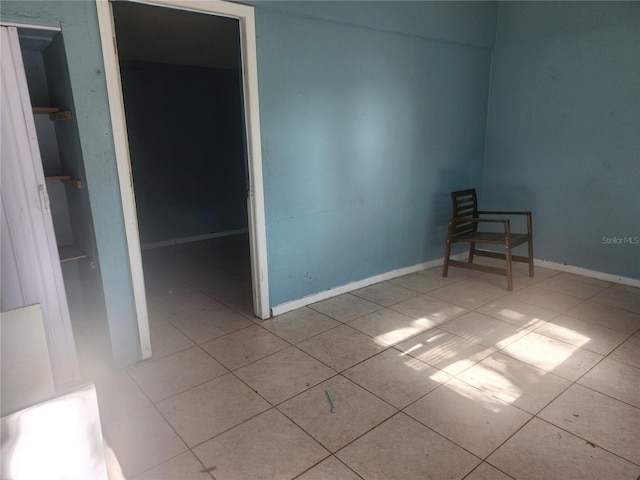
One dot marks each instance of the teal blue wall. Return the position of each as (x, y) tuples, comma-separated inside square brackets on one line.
[(563, 134), (364, 133), (468, 23), (84, 57), (372, 112)]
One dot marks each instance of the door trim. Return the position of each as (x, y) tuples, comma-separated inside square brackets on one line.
[(255, 200)]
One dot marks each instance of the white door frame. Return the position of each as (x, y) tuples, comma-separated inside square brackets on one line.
[(255, 200)]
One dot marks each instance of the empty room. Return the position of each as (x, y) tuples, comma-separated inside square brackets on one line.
[(292, 228)]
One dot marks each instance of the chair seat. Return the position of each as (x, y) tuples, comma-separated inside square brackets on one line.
[(491, 238)]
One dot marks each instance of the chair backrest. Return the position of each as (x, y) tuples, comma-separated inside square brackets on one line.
[(465, 205)]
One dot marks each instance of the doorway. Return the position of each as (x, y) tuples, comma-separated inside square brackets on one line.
[(181, 145)]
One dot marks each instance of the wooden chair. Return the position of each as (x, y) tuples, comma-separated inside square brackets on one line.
[(464, 227)]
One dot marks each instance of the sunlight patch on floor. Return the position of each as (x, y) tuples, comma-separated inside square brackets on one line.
[(517, 316), (495, 382), (479, 397), (493, 378), (567, 334), (399, 334), (543, 352)]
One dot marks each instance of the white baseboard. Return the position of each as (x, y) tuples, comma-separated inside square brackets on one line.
[(196, 238), (350, 287), (633, 282)]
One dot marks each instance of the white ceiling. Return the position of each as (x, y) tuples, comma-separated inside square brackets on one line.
[(167, 35)]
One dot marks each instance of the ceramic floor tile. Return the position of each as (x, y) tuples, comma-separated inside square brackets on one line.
[(118, 395), (583, 334), (420, 282), (357, 330), (465, 295), (167, 376), (284, 374), (156, 317), (385, 293), (445, 351), (454, 273), (555, 301), (473, 419), (389, 327), (521, 273), (345, 307), (517, 313), (606, 316), (299, 324), (211, 408), (329, 469), (563, 359), (487, 472), (341, 347), (402, 448), (169, 291), (211, 324), (357, 411), (620, 296), (176, 305), (142, 440), (496, 284), (540, 450), (515, 382), (183, 467), (571, 286), (615, 379), (479, 328), (166, 340), (244, 346), (429, 308), (628, 352), (601, 420), (266, 447), (397, 378), (241, 303), (583, 279)]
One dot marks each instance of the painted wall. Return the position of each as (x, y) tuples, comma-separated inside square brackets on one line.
[(79, 23), (186, 141), (369, 117), (464, 22), (562, 135), (365, 132)]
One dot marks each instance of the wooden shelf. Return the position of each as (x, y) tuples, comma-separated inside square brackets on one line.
[(53, 112), (64, 179), (45, 110), (68, 254), (54, 178)]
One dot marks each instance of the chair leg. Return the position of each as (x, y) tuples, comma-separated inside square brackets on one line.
[(447, 251), (530, 244), (507, 256), (472, 249)]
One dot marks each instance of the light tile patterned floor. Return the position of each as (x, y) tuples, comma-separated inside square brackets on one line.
[(431, 378)]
